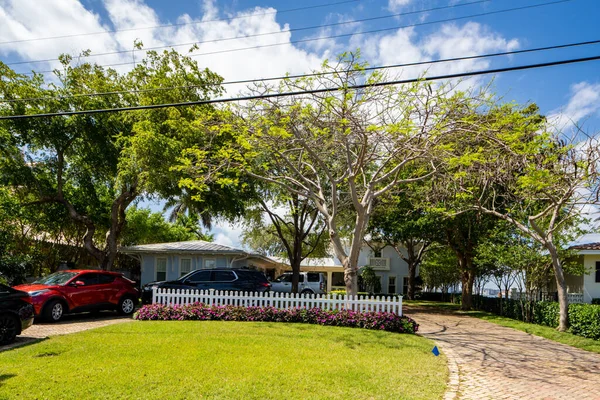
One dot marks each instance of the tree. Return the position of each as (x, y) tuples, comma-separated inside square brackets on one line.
[(295, 235), (399, 222), (95, 166), (515, 168), (439, 269), (340, 147), (144, 226)]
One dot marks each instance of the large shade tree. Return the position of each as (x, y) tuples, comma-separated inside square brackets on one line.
[(515, 167), (96, 165), (338, 146)]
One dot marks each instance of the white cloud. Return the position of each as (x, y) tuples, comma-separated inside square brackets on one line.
[(228, 234), (584, 102), (396, 5)]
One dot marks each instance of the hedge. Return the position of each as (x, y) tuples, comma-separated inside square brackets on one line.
[(384, 321), (584, 319)]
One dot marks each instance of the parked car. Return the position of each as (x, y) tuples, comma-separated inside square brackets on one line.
[(310, 282), (75, 291), (16, 313), (241, 279)]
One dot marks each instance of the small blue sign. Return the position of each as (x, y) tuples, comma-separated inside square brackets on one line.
[(435, 351)]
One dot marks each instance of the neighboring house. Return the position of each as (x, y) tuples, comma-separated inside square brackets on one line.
[(387, 264), (169, 261), (589, 283)]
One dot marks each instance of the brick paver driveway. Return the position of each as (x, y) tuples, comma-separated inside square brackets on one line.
[(488, 361), (69, 324)]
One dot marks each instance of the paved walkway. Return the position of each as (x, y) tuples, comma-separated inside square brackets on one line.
[(488, 361), (69, 324)]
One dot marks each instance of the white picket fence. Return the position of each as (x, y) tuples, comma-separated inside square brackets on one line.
[(277, 300)]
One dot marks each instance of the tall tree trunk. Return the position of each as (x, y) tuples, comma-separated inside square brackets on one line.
[(412, 271), (561, 286), (467, 280)]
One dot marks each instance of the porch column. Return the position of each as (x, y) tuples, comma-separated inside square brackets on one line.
[(329, 279)]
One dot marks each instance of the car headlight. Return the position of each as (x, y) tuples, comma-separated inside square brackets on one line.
[(38, 292)]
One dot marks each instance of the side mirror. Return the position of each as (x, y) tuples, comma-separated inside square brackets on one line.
[(78, 283)]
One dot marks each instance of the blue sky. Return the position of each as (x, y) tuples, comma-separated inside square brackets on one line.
[(572, 91)]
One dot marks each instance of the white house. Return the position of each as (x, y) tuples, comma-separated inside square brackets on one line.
[(589, 283), (387, 264), (169, 261)]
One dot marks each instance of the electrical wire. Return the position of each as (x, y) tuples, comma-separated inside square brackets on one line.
[(297, 93), (346, 34), (356, 21), (180, 24), (374, 68)]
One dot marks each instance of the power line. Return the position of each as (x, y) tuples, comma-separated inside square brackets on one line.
[(312, 91), (356, 21), (244, 81), (181, 24), (347, 34)]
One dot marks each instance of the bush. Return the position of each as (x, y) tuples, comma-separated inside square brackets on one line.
[(353, 319), (546, 313), (584, 320), (596, 301)]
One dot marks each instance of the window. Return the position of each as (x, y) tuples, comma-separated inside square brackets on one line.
[(313, 277), (210, 263), (405, 285), (88, 279), (224, 276), (391, 285), (185, 266), (597, 271), (161, 269), (104, 279), (201, 276), (377, 253)]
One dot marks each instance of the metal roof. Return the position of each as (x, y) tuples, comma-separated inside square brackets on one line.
[(192, 246)]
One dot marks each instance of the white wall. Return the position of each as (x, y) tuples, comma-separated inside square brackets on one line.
[(398, 267), (591, 288)]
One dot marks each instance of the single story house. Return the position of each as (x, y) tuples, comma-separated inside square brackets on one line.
[(169, 261)]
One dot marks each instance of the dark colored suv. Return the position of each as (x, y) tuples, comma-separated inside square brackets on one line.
[(74, 291), (16, 313), (241, 279)]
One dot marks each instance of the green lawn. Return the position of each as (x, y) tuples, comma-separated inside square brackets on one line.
[(538, 330), (224, 360)]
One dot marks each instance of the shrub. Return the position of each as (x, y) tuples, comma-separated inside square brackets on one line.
[(546, 313), (596, 301), (584, 320), (353, 319)]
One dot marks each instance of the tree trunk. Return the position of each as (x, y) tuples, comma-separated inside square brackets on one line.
[(350, 277), (467, 280), (412, 271), (561, 285)]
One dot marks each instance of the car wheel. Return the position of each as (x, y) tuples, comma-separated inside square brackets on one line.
[(54, 311), (126, 306), (307, 291), (9, 327)]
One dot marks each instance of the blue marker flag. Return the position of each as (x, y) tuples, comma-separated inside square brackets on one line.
[(435, 351)]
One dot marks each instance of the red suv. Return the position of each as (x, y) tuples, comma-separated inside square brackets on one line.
[(74, 291)]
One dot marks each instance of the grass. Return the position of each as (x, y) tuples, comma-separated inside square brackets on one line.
[(224, 360), (533, 329)]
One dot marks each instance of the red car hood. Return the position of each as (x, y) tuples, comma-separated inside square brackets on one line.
[(34, 286)]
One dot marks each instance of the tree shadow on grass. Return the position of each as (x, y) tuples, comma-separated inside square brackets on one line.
[(4, 377)]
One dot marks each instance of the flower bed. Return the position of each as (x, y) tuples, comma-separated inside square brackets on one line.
[(201, 312)]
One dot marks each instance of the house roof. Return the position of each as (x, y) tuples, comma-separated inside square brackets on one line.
[(587, 246), (191, 246)]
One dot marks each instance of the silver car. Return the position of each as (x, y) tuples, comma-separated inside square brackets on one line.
[(309, 282)]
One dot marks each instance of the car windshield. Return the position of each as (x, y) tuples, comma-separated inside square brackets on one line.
[(57, 278)]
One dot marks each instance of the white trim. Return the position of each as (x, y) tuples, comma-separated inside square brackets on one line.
[(156, 267), (180, 262)]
